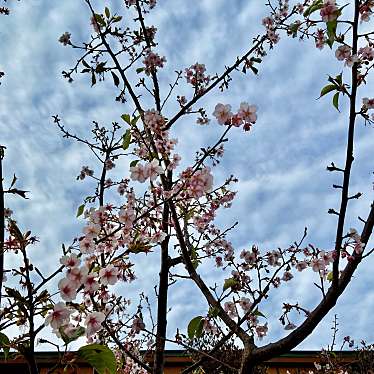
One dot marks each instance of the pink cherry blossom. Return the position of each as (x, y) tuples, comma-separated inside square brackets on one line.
[(368, 103), (287, 276), (154, 120), (273, 36), (301, 265), (126, 216), (329, 12), (230, 309), (90, 284), (86, 245), (137, 325), (153, 169), (327, 257), (70, 261), (174, 162), (320, 39), (343, 52), (318, 264), (201, 182), (68, 289), (138, 173), (367, 53), (8, 212), (350, 60), (366, 11), (248, 112), (262, 331), (245, 304), (152, 61), (209, 327), (92, 230), (109, 164), (108, 275), (65, 38), (268, 22), (59, 316), (158, 237), (223, 113), (94, 322), (77, 275)]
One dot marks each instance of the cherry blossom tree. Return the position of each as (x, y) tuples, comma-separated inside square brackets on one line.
[(163, 207)]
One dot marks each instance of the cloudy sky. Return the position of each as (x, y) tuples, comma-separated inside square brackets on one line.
[(281, 164)]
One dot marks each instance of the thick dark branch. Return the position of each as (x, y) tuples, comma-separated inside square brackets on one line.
[(200, 283), (297, 336), (162, 301), (349, 152)]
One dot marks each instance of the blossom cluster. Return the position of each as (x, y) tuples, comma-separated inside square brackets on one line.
[(150, 170), (85, 172), (196, 183), (329, 12), (366, 10), (246, 115), (154, 120), (245, 304), (60, 321), (152, 61), (65, 38), (344, 53), (196, 76)]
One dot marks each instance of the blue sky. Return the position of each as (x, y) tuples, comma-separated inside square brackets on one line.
[(283, 185)]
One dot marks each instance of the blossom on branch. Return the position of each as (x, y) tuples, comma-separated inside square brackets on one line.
[(59, 316), (94, 322)]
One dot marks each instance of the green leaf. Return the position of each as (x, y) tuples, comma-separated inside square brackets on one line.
[(86, 65), (126, 118), (77, 334), (139, 247), (255, 70), (330, 276), (115, 79), (126, 139), (133, 163), (213, 312), (194, 260), (335, 101), (293, 28), (139, 70), (93, 79), (325, 90), (195, 327), (134, 120), (257, 313), (100, 357), (107, 12), (256, 59), (316, 5), (99, 19), (80, 210), (230, 282), (117, 18), (339, 79), (4, 344), (331, 32)]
